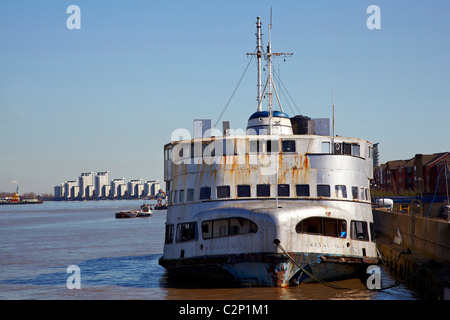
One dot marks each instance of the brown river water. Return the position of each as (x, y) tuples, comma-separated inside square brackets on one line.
[(118, 259)]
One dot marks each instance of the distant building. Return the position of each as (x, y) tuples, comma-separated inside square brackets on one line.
[(135, 188), (71, 189), (155, 188), (151, 188), (122, 190), (86, 185), (424, 173), (90, 191), (84, 188), (60, 191), (115, 190), (102, 180), (376, 156)]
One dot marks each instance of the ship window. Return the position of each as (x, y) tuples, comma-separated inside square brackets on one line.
[(220, 228), (323, 226), (367, 194), (358, 230), (323, 190), (186, 232), (263, 190), (242, 226), (272, 146), (239, 147), (325, 147), (288, 146), (372, 232), (362, 194), (223, 192), (227, 227), (190, 195), (310, 225), (355, 193), (205, 193), (169, 234), (207, 229), (356, 150), (283, 190), (243, 191), (254, 146), (175, 196), (341, 191), (302, 190), (347, 148), (228, 147), (181, 199), (167, 152)]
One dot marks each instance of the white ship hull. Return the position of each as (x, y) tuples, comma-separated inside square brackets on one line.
[(252, 259)]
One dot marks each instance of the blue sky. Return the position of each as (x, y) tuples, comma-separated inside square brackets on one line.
[(108, 96)]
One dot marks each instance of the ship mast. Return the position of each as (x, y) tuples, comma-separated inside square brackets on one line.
[(270, 121), (269, 74), (259, 52), (269, 84)]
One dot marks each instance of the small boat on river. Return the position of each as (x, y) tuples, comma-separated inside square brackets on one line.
[(144, 212)]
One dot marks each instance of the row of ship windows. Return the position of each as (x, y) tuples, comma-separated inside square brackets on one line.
[(263, 190), (232, 147), (219, 228)]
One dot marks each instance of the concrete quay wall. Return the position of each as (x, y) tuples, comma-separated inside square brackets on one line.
[(429, 236), (417, 249)]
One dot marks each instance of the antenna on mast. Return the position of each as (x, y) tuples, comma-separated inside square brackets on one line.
[(332, 97), (259, 55), (269, 58), (332, 94)]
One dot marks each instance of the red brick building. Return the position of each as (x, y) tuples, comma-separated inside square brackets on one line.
[(419, 174)]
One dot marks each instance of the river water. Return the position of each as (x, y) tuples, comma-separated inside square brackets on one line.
[(118, 259)]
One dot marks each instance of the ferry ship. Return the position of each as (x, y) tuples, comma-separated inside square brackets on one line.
[(283, 203)]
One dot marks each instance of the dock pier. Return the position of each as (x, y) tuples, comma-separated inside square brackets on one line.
[(416, 248)]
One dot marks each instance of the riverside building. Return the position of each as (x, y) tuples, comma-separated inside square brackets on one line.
[(89, 187)]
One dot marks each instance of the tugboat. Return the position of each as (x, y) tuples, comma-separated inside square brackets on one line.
[(285, 203), (160, 205), (146, 211), (16, 199)]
